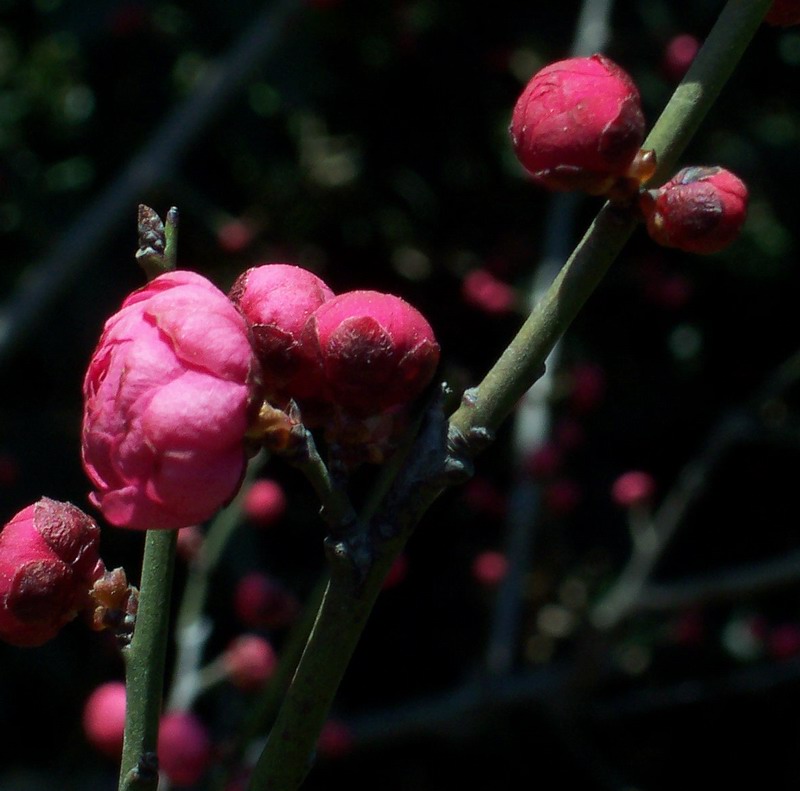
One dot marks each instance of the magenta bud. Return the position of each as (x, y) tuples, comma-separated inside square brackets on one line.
[(489, 568), (104, 718), (699, 210), (168, 396), (277, 301), (578, 125), (377, 351), (184, 748), (633, 488), (482, 290), (48, 563), (264, 502), (783, 13), (250, 661), (678, 56)]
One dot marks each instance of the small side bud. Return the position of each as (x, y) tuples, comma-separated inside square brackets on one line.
[(699, 210)]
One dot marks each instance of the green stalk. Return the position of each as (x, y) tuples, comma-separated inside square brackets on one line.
[(144, 664), (288, 754)]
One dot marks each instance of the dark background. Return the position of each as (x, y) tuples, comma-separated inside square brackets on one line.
[(369, 144)]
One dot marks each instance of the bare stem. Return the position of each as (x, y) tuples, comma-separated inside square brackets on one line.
[(144, 664)]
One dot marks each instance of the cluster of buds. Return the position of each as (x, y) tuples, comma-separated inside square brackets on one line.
[(578, 125), (351, 362)]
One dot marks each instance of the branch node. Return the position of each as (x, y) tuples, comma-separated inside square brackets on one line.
[(353, 553)]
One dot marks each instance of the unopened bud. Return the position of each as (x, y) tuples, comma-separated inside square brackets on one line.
[(48, 562), (377, 351), (578, 125), (699, 210)]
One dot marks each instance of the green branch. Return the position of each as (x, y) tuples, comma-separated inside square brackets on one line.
[(347, 604), (144, 664)]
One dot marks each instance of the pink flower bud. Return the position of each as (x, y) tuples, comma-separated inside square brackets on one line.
[(700, 210), (678, 56), (377, 351), (190, 542), (184, 748), (484, 291), (578, 125), (633, 489), (264, 502), (104, 718), (250, 661), (784, 13), (277, 300), (261, 602), (489, 568), (169, 394), (48, 562)]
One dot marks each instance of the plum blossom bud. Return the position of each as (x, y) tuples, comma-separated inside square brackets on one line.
[(250, 661), (699, 210), (678, 56), (377, 351), (48, 563), (578, 125), (168, 396), (264, 502), (184, 748), (481, 289), (633, 488), (277, 300), (104, 718), (489, 568), (784, 13)]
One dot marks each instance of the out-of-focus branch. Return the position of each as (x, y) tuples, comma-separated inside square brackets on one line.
[(42, 282), (532, 418)]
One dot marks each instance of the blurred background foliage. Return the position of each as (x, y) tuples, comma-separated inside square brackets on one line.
[(369, 143)]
